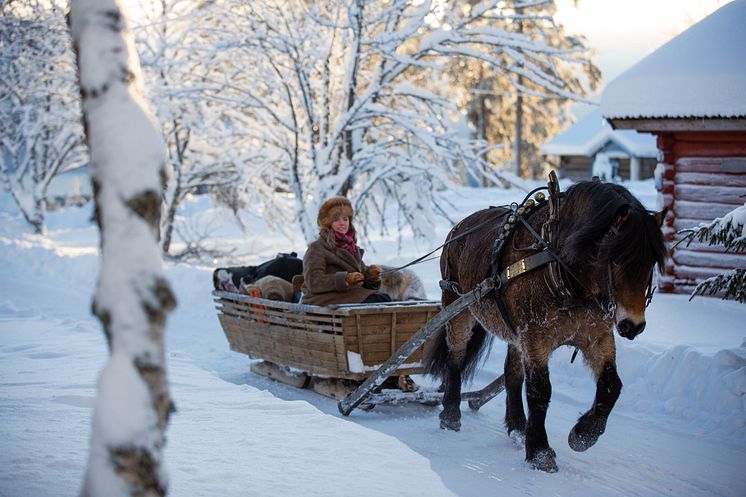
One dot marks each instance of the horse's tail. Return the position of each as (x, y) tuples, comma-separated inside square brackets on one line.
[(436, 354)]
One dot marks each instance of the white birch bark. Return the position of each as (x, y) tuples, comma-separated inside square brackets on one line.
[(132, 298)]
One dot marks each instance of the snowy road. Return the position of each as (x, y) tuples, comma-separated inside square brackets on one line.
[(679, 427)]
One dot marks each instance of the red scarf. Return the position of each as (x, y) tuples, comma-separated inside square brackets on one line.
[(345, 241)]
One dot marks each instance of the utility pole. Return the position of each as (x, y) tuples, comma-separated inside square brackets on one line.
[(518, 135)]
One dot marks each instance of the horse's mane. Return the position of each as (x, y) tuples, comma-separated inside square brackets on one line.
[(589, 209)]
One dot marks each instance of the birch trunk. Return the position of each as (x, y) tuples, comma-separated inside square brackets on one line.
[(132, 298)]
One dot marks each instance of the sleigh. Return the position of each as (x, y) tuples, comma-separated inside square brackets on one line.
[(345, 351), (330, 349)]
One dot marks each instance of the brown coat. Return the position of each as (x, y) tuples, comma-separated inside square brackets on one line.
[(324, 269)]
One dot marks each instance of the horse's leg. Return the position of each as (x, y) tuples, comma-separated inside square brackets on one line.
[(601, 356), (458, 332), (538, 394), (515, 417)]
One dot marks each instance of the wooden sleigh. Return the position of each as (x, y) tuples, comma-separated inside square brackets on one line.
[(345, 351)]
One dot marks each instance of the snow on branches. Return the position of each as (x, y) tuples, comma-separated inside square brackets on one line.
[(41, 134), (726, 231), (349, 97)]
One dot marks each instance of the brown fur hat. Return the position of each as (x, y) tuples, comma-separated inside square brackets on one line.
[(332, 209)]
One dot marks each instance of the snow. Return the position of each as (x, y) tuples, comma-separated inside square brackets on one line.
[(592, 132), (679, 427), (699, 73)]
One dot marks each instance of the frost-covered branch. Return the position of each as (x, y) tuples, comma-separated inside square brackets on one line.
[(355, 98), (41, 134), (726, 231)]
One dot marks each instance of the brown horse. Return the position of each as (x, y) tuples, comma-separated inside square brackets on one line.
[(606, 246)]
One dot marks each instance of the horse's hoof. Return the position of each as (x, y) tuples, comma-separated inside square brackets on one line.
[(450, 423), (544, 460), (586, 432), (582, 441)]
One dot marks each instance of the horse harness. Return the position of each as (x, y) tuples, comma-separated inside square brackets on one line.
[(544, 247)]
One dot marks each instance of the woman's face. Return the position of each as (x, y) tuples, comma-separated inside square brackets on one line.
[(341, 225)]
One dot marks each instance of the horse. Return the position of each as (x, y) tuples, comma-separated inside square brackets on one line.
[(604, 248)]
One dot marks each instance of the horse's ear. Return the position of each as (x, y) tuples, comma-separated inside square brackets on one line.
[(622, 214), (660, 216)]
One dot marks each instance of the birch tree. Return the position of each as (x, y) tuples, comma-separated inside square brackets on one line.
[(132, 298), (177, 56), (41, 133), (350, 97)]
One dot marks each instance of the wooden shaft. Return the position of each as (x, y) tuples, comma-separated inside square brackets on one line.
[(355, 398)]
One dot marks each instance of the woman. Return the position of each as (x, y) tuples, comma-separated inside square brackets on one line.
[(334, 272), (333, 268)]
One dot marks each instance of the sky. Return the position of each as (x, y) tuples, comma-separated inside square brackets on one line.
[(624, 32)]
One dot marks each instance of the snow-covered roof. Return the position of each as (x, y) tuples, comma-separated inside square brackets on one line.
[(592, 132), (700, 73)]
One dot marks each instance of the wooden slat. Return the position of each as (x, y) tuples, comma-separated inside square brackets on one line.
[(256, 308), (294, 308), (392, 341), (261, 318), (310, 326)]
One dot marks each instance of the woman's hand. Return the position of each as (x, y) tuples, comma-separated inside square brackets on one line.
[(354, 279)]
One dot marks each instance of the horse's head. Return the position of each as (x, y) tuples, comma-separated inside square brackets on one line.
[(630, 255), (617, 244)]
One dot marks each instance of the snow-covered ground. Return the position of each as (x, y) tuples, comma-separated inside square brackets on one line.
[(679, 427)]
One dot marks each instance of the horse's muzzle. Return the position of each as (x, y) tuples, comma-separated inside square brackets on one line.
[(628, 329)]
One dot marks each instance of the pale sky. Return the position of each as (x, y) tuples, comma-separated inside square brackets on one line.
[(624, 31)]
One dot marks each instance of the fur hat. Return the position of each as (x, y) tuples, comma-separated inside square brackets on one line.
[(332, 209)]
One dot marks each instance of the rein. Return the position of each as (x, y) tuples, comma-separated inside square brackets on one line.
[(447, 242)]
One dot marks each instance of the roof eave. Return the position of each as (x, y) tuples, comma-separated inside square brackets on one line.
[(653, 124)]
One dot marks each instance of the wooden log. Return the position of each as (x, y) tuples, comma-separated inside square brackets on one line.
[(704, 211), (731, 180), (706, 193)]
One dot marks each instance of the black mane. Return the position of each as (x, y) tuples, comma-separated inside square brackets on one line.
[(589, 210)]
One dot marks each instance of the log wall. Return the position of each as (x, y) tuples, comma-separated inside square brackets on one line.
[(703, 177)]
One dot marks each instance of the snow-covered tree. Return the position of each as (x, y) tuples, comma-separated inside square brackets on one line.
[(177, 54), (509, 110), (350, 97), (728, 232), (40, 134), (132, 298)]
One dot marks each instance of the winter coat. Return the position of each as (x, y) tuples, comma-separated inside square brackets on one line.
[(325, 267)]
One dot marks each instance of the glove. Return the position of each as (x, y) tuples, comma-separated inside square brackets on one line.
[(354, 279), (374, 272)]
